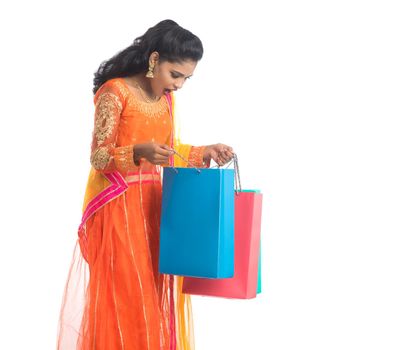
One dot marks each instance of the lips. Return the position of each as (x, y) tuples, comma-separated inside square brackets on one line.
[(169, 90)]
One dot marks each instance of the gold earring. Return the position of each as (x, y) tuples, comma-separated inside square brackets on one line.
[(150, 73)]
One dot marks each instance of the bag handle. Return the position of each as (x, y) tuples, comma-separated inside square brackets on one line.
[(237, 179), (186, 160)]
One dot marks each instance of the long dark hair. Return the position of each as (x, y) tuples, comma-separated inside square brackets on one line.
[(172, 42)]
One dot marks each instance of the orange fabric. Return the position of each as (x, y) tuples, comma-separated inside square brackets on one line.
[(117, 299), (123, 255)]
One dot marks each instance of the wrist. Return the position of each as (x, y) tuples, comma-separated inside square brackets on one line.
[(206, 154), (137, 154), (206, 157)]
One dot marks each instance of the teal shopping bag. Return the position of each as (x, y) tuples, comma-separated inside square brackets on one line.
[(197, 222), (259, 288)]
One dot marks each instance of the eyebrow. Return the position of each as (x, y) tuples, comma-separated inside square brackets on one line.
[(181, 74)]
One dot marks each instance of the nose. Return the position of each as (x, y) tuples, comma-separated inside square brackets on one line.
[(178, 84)]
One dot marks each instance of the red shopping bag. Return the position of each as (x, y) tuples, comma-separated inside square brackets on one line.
[(247, 226)]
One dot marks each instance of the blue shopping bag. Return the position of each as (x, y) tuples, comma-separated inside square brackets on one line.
[(197, 222)]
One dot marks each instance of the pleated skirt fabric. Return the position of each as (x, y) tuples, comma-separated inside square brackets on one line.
[(115, 298)]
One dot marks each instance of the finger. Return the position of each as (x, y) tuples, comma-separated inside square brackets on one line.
[(163, 159), (163, 162), (214, 155), (160, 162), (223, 147), (167, 148), (220, 161), (230, 153), (225, 156), (163, 152), (216, 159), (224, 161)]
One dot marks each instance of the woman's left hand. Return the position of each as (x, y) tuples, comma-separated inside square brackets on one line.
[(219, 152)]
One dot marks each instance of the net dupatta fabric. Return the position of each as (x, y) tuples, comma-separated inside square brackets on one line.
[(114, 297)]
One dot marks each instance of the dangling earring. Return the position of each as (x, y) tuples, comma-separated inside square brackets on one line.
[(150, 73)]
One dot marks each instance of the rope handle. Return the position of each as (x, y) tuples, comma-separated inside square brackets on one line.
[(237, 179), (186, 160)]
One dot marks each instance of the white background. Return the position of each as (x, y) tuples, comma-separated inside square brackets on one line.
[(307, 94)]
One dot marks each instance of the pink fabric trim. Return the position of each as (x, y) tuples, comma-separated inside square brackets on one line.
[(138, 173), (171, 277), (172, 314), (118, 183), (117, 187), (169, 99), (143, 182)]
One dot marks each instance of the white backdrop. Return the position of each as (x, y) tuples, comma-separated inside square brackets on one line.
[(307, 94)]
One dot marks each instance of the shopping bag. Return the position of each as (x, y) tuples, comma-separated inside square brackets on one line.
[(259, 288), (197, 222), (247, 275)]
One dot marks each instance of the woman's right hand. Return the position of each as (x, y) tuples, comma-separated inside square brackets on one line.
[(155, 153)]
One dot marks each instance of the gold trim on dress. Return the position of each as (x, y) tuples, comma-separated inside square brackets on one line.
[(107, 107), (152, 110), (144, 177), (100, 158)]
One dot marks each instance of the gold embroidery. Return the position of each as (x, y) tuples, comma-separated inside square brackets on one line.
[(196, 156), (100, 158), (108, 104), (124, 158), (152, 110), (121, 89)]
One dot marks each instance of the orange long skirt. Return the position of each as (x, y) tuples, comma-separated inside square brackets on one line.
[(116, 298)]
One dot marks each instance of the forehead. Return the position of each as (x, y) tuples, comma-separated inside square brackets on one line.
[(184, 67)]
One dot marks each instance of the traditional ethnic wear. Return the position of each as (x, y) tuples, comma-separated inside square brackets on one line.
[(115, 298)]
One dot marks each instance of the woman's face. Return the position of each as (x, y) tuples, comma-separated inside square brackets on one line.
[(170, 76)]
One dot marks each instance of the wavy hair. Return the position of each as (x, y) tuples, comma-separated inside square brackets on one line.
[(172, 42)]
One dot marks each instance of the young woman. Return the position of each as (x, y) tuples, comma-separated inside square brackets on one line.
[(115, 298)]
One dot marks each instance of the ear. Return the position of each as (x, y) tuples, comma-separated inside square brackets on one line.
[(154, 57)]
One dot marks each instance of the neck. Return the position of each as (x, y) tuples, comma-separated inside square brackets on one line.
[(145, 85)]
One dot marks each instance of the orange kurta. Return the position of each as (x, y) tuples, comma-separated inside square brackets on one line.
[(115, 298)]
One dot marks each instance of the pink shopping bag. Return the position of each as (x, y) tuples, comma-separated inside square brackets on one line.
[(247, 226)]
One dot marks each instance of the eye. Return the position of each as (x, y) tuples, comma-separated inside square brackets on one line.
[(177, 76)]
